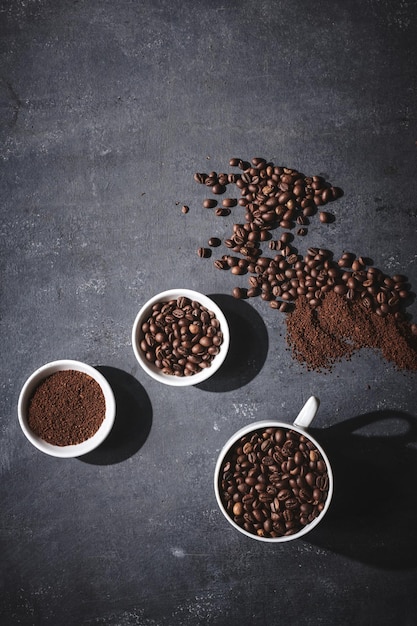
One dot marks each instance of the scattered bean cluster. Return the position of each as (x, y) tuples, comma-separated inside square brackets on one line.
[(271, 194), (282, 279), (274, 482), (181, 337), (279, 197)]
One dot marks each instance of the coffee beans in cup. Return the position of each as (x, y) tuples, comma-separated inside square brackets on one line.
[(273, 482), (181, 337)]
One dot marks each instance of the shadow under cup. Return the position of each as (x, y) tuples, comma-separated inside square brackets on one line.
[(273, 481)]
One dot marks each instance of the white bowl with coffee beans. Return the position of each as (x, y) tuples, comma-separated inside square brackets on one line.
[(180, 337), (273, 482), (66, 408)]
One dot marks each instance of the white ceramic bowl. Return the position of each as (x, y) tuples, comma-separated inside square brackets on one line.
[(155, 372), (257, 426), (74, 450)]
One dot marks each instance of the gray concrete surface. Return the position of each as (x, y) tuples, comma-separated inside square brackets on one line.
[(106, 111)]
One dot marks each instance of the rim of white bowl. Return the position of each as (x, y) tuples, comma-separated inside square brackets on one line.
[(180, 381), (256, 426), (73, 450)]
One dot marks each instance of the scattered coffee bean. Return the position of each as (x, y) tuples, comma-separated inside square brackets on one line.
[(185, 209), (222, 212), (221, 264), (214, 242), (209, 203), (325, 217), (229, 202), (204, 253), (253, 292), (286, 237), (239, 293), (200, 177), (232, 261)]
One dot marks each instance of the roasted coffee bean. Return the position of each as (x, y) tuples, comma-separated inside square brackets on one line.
[(214, 242), (239, 293), (275, 245), (204, 253), (232, 260), (357, 265), (282, 493), (340, 289), (209, 203), (200, 177), (325, 217), (180, 337), (222, 212), (286, 237), (229, 202), (221, 264), (211, 179), (185, 209)]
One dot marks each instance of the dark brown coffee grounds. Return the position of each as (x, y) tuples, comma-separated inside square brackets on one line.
[(66, 408), (320, 337)]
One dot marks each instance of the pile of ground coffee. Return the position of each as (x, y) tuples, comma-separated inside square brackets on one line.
[(319, 337), (66, 408)]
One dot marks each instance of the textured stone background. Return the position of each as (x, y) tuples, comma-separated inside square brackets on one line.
[(106, 111)]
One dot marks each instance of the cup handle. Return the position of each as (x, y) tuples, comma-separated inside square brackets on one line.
[(307, 413)]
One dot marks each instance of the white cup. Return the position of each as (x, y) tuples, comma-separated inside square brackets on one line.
[(300, 425)]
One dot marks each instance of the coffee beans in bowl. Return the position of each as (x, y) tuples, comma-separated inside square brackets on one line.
[(273, 482), (180, 337), (66, 408)]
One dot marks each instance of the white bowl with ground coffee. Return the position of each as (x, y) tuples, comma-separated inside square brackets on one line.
[(66, 408), (180, 337)]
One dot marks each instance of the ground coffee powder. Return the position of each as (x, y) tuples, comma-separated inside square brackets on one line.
[(339, 327), (66, 408)]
